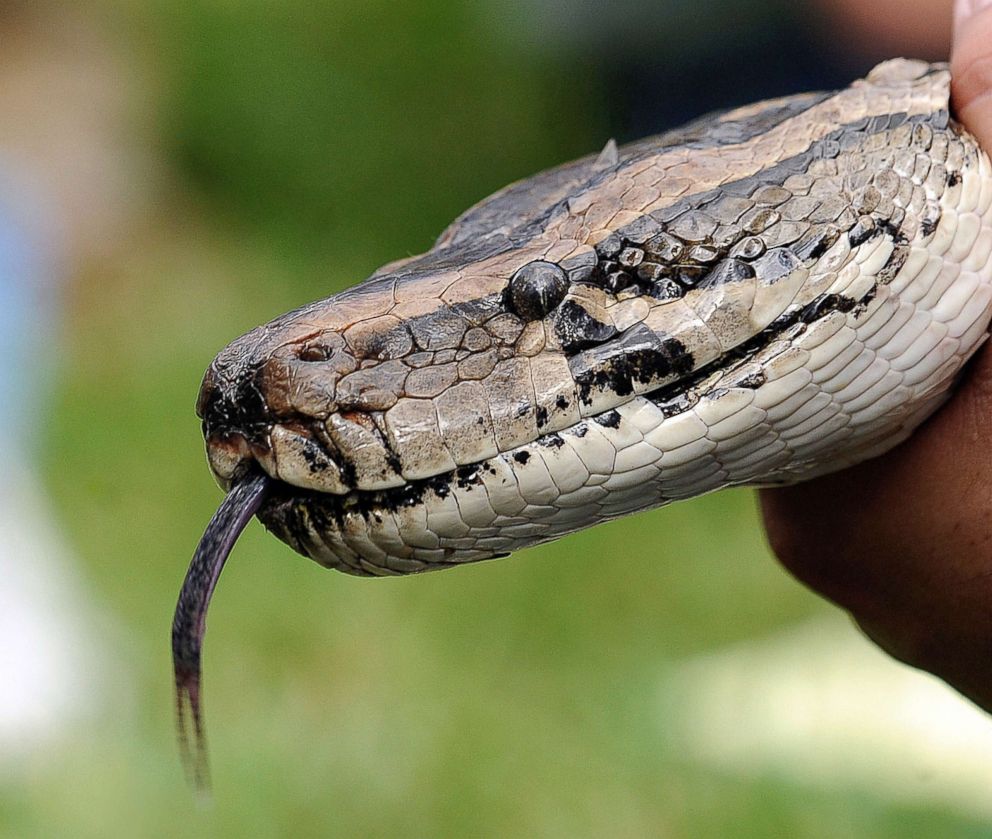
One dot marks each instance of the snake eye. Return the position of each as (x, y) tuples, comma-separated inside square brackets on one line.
[(536, 289)]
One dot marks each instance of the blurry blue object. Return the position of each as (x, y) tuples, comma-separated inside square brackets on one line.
[(29, 303)]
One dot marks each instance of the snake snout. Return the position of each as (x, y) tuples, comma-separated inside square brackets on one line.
[(235, 418), (280, 403)]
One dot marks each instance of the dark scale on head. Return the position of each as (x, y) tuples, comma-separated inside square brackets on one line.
[(728, 271), (817, 243), (232, 401), (864, 230), (752, 381), (578, 329), (666, 290), (823, 305), (610, 247), (887, 273), (610, 419), (616, 281)]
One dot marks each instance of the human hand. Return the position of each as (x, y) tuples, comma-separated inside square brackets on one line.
[(904, 542)]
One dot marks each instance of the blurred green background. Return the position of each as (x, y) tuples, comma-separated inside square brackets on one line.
[(279, 152)]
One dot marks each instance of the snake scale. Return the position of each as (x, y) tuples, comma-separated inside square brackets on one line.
[(762, 296)]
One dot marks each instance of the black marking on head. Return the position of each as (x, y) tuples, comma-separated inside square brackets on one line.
[(893, 230), (682, 360), (727, 271), (650, 358), (231, 401), (864, 230), (812, 247), (328, 453), (640, 356), (887, 273), (753, 380), (609, 371), (616, 281), (577, 329), (666, 290), (392, 459), (861, 306), (777, 264), (824, 305), (671, 405), (609, 419), (610, 247), (467, 476)]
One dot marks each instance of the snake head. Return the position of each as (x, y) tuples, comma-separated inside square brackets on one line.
[(409, 375), (764, 295)]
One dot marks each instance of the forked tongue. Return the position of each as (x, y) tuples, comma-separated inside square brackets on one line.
[(189, 623)]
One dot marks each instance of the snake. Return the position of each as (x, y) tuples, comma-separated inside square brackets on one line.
[(762, 296)]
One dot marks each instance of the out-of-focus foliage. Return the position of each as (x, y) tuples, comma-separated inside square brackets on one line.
[(361, 126), (304, 144)]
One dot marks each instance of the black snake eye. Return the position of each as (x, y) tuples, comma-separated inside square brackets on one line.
[(536, 289)]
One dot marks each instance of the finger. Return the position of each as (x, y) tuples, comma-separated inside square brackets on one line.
[(971, 67)]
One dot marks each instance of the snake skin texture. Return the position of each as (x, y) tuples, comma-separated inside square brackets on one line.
[(762, 296)]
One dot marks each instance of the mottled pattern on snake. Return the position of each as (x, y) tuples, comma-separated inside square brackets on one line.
[(763, 296)]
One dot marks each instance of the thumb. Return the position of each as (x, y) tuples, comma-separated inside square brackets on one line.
[(971, 67)]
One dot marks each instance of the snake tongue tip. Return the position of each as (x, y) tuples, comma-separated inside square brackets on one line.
[(190, 731)]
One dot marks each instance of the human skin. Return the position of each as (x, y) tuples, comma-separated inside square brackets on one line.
[(904, 542), (879, 29)]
